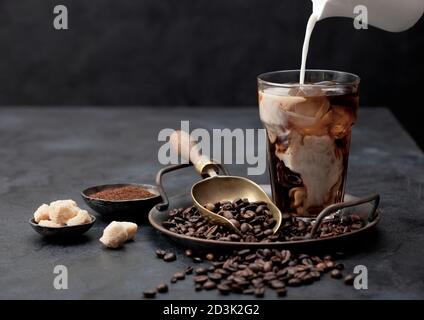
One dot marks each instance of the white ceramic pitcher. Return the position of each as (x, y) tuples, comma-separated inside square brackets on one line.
[(389, 15)]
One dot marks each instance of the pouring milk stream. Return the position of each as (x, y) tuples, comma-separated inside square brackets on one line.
[(389, 15)]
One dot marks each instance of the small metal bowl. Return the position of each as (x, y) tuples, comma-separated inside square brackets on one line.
[(135, 210), (62, 232)]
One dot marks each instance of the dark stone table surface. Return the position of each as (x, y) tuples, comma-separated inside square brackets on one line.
[(53, 153)]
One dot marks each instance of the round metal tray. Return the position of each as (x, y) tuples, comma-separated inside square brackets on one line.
[(365, 207), (156, 217)]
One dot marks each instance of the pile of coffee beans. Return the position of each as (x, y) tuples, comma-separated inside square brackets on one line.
[(254, 272), (255, 222), (253, 219), (251, 272)]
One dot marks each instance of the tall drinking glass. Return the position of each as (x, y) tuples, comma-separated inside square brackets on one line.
[(308, 128)]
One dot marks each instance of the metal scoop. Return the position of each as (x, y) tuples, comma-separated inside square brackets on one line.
[(215, 188)]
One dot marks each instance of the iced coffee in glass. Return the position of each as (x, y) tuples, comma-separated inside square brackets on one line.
[(308, 130)]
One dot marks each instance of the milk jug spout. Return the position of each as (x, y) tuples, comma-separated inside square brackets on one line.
[(389, 15)]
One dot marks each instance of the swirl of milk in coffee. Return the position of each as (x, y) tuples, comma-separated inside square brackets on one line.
[(303, 128)]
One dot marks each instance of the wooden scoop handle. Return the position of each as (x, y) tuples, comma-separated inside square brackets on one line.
[(187, 147)]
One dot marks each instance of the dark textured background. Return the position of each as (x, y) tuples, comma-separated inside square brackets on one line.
[(193, 52)]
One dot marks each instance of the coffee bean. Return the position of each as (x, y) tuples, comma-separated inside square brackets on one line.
[(316, 259), (188, 253), (174, 280), (294, 282), (307, 279), (248, 215), (329, 264), (257, 282), (198, 287), (267, 253), (277, 284), (292, 263), (282, 292), (215, 276), (249, 291), (211, 269), (222, 272), (210, 256), (301, 225), (321, 266), (188, 270), (162, 288), (269, 276), (201, 271), (210, 206), (268, 232), (179, 275), (200, 279), (209, 285), (251, 257), (230, 265), (235, 223), (259, 292), (260, 235), (245, 227), (301, 274), (339, 266), (211, 231), (234, 237), (169, 257), (218, 264), (256, 228), (336, 274), (226, 206), (236, 288), (267, 266), (285, 256), (243, 252), (228, 215), (149, 294), (349, 279), (254, 267), (160, 253), (250, 206), (291, 270), (224, 289), (240, 281)]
